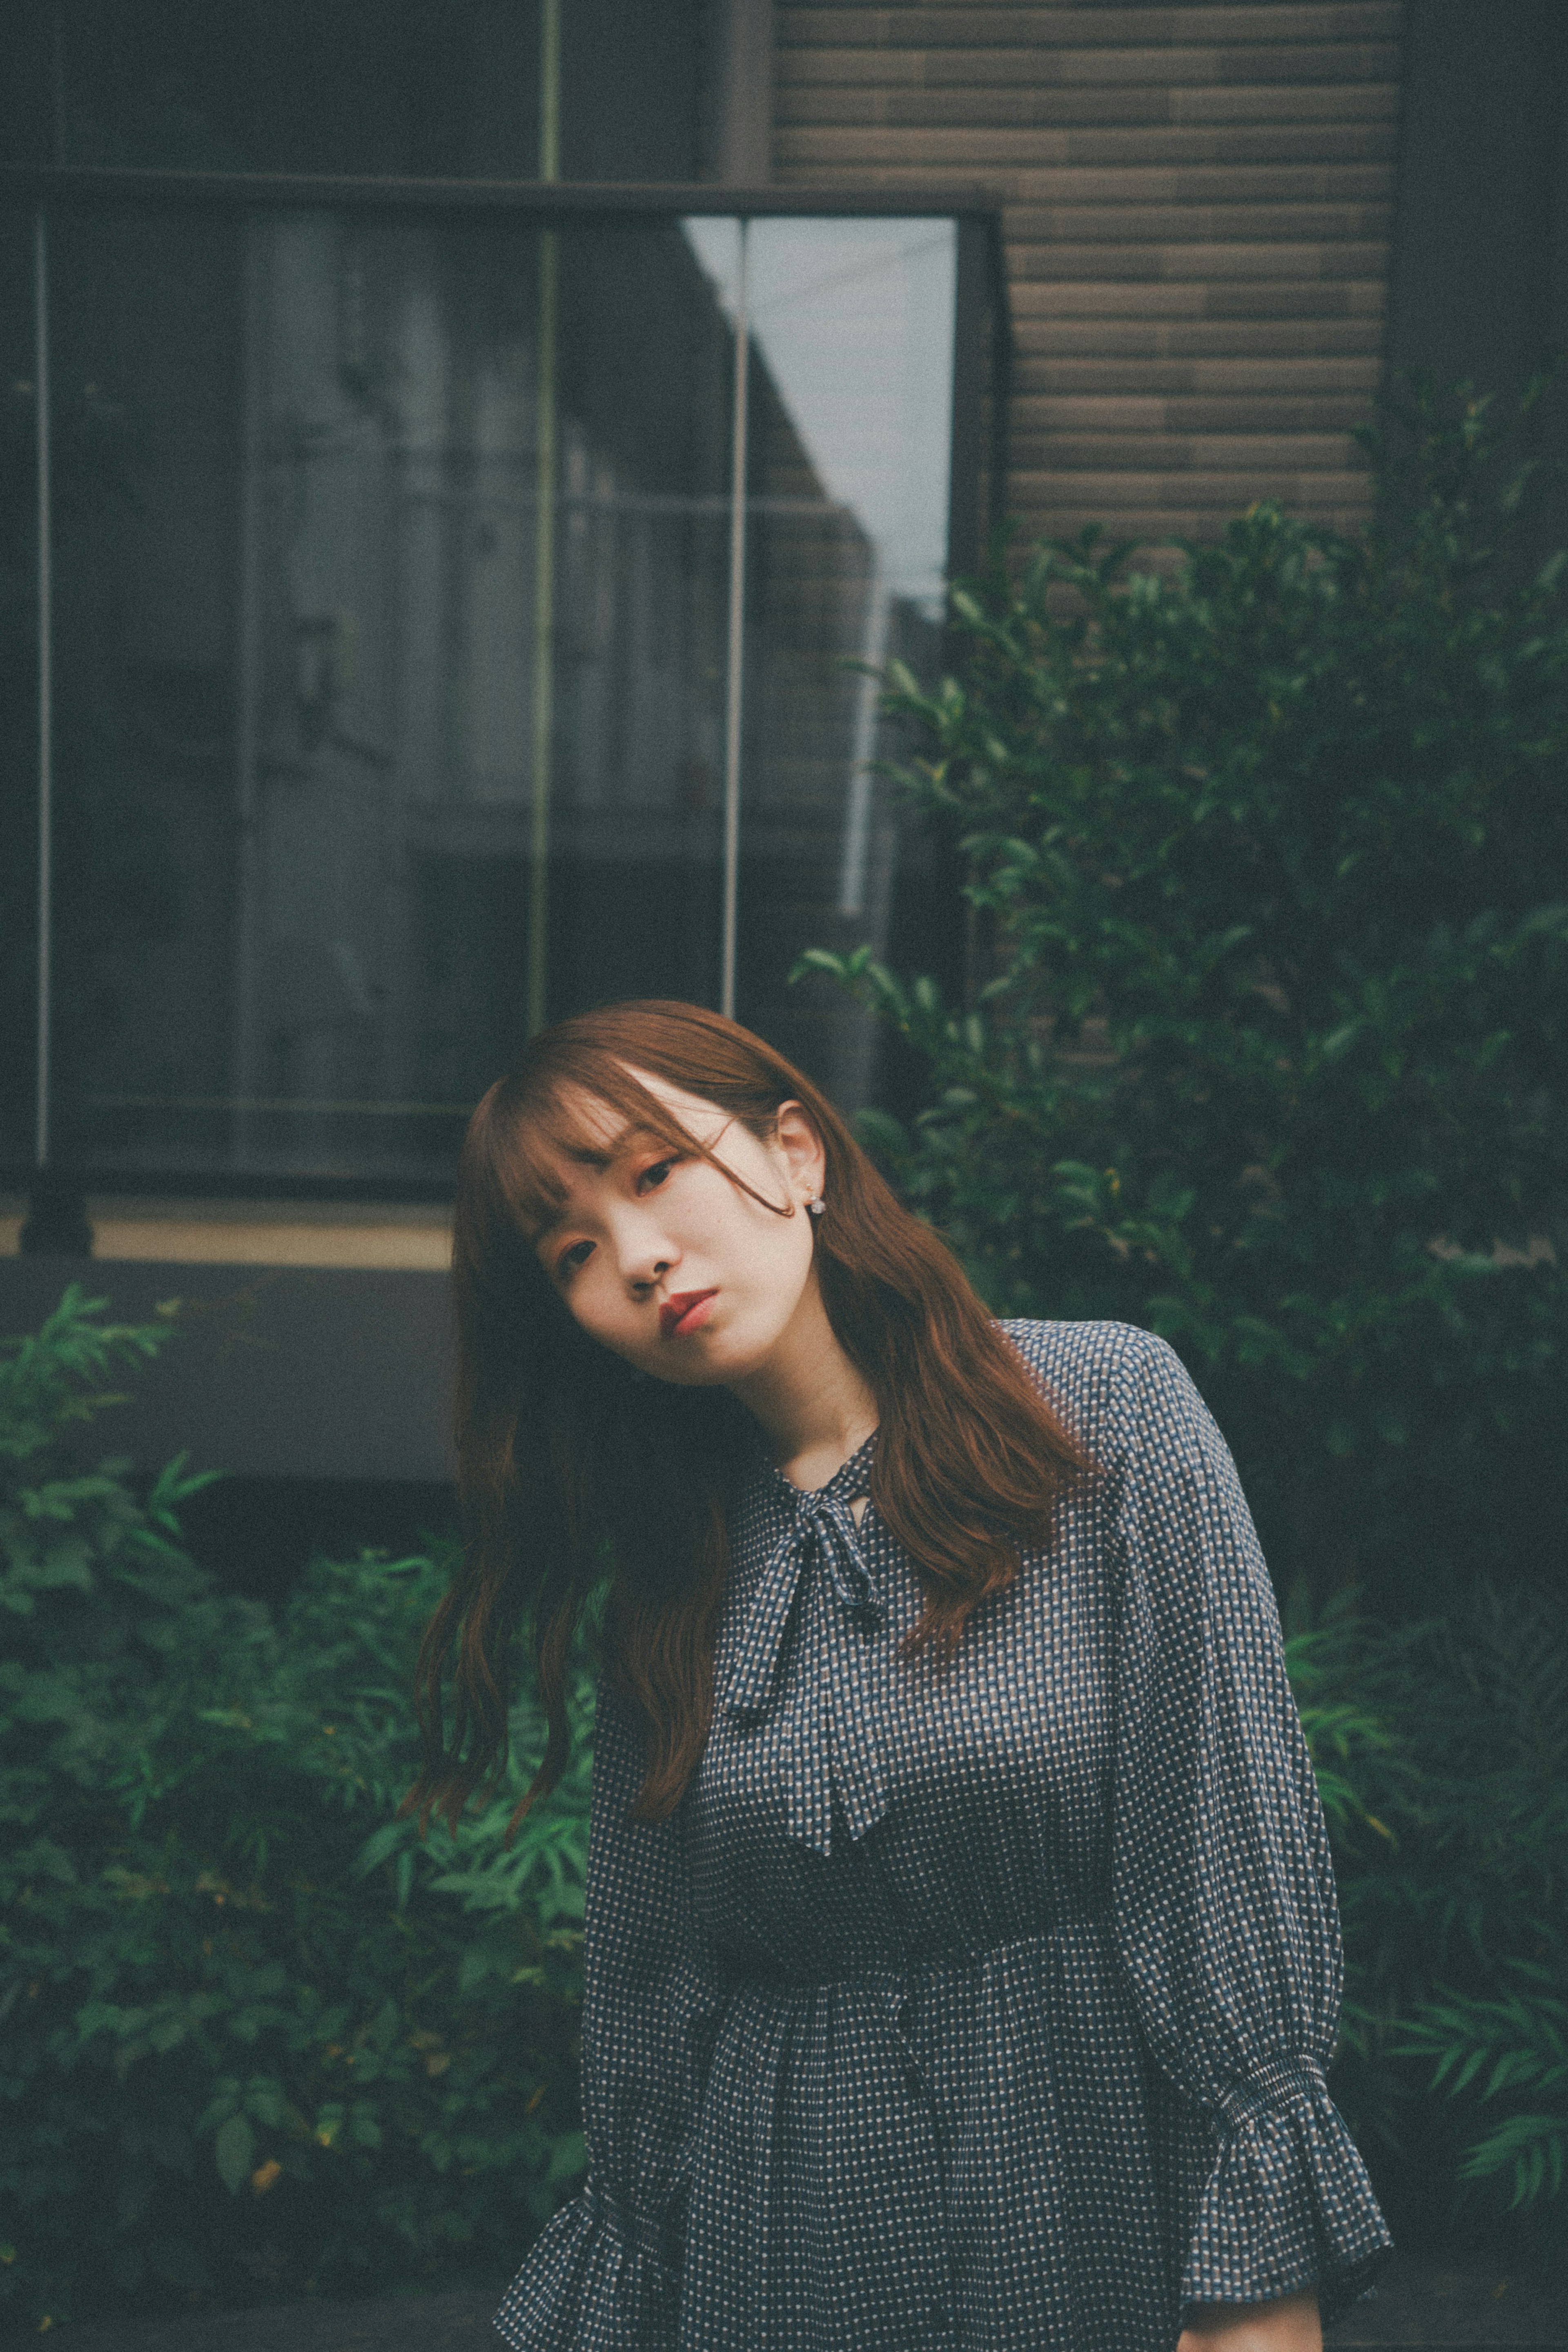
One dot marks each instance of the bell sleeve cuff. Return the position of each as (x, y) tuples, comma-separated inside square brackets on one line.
[(606, 2275), (597, 2280), (1226, 1920), (1287, 2205)]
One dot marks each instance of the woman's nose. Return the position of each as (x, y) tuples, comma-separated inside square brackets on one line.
[(647, 1258)]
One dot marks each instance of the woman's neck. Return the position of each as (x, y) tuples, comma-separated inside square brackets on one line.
[(814, 1408)]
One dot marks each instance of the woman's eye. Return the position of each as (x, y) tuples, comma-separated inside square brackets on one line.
[(652, 1178), (569, 1260)]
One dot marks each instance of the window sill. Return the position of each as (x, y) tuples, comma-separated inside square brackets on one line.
[(410, 1239)]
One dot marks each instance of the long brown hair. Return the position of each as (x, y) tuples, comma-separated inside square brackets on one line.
[(572, 1466)]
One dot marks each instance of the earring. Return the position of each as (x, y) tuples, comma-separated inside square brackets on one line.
[(817, 1207)]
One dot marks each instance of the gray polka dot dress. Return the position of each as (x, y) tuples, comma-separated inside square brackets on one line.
[(982, 2007)]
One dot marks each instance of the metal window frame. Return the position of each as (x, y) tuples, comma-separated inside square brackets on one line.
[(982, 347)]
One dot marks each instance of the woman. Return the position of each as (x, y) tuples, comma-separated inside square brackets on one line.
[(962, 1960)]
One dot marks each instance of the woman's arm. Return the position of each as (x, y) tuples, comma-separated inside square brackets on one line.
[(1290, 2324), (1226, 1924), (605, 2274)]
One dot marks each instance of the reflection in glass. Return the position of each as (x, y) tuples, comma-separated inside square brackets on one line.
[(315, 617), (850, 425)]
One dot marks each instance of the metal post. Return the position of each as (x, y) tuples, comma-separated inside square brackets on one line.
[(245, 1077), (863, 749), (971, 301), (734, 680), (45, 674), (544, 526), (56, 1222)]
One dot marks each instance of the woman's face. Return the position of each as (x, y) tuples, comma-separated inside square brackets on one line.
[(670, 1265)]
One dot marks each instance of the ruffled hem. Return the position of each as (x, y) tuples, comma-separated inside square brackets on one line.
[(1287, 2206), (590, 2286)]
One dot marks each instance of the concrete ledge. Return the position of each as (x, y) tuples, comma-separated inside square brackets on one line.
[(408, 1240), (279, 1371)]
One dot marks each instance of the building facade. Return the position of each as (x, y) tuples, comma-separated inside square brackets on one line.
[(1228, 226), (485, 438)]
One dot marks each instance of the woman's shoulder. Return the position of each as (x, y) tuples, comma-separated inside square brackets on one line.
[(1106, 1381), (1091, 1357)]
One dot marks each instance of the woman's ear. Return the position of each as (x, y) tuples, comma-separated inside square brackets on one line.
[(797, 1137)]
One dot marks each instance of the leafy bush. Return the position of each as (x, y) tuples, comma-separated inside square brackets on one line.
[(259, 2038), (1454, 1887), (255, 2035), (1268, 854)]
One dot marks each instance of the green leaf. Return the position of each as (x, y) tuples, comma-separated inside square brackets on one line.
[(568, 2160), (234, 2151)]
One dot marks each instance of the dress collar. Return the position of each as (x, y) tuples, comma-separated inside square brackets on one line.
[(851, 1479), (838, 1762), (821, 1524)]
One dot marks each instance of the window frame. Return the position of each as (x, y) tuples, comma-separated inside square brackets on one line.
[(982, 356)]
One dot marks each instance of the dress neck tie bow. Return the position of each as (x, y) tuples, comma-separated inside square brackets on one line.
[(844, 1763), (821, 1526)]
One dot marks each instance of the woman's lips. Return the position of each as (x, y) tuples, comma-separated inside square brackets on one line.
[(687, 1311)]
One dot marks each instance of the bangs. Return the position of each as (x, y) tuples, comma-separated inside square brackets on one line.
[(553, 1122)]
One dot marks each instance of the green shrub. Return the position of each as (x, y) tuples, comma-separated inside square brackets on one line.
[(1455, 2063), (255, 2035), (1512, 2049), (259, 2039), (1445, 1744), (1268, 859)]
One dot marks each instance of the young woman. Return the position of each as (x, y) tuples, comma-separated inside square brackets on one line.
[(962, 1961)]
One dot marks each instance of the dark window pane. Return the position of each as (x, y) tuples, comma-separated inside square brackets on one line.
[(19, 691), (304, 730), (448, 88)]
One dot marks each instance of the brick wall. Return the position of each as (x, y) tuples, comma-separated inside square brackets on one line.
[(1198, 203)]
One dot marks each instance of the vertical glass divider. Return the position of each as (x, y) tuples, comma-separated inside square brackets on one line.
[(862, 752), (247, 1082), (544, 528), (544, 634), (736, 638), (45, 674)]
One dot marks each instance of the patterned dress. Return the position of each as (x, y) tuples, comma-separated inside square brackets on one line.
[(979, 2007)]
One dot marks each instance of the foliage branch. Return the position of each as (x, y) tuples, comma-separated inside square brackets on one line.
[(1266, 849), (256, 2036)]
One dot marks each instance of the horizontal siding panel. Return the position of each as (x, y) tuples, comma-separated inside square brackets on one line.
[(1183, 224), (1134, 339), (1354, 102), (1052, 108), (1044, 413), (1136, 453), (1170, 297), (1190, 377), (1028, 192), (1150, 531), (1233, 186), (1355, 297), (835, 147), (1232, 492), (1112, 27), (1204, 263), (1021, 193), (1171, 68)]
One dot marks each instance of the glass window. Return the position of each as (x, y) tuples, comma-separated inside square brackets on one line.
[(398, 646)]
